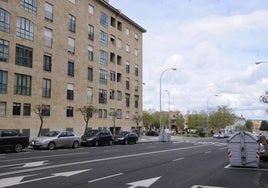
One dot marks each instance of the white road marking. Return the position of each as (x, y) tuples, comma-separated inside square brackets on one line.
[(204, 186), (207, 152), (143, 183), (106, 177), (179, 159), (34, 164), (100, 160)]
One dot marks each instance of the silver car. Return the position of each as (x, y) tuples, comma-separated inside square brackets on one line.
[(56, 139)]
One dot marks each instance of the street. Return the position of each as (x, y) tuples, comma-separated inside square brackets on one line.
[(188, 163)]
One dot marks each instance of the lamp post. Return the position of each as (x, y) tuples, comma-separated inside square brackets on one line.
[(160, 93), (207, 110), (260, 62), (168, 108)]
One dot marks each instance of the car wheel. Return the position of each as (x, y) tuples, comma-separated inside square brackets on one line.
[(136, 141), (110, 143), (51, 146), (97, 143), (75, 144), (126, 141), (18, 148)]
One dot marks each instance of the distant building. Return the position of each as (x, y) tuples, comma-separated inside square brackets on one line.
[(65, 54)]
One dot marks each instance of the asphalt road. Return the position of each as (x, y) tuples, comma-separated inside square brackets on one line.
[(185, 163)]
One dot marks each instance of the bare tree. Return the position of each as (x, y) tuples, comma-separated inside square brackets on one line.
[(137, 119), (264, 98), (38, 109), (87, 113), (114, 114)]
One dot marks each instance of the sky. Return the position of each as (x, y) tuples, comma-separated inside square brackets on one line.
[(213, 44)]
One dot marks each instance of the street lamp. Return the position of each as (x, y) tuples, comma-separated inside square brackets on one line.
[(260, 62), (168, 108), (160, 93), (207, 110)]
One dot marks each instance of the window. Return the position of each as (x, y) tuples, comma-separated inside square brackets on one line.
[(70, 68), (127, 67), (90, 32), (45, 110), (3, 81), (136, 87), (127, 83), (119, 113), (103, 57), (112, 93), (90, 95), (112, 39), (127, 100), (119, 95), (136, 36), (26, 109), (48, 11), (112, 57), (90, 74), (90, 9), (103, 38), (69, 111), (113, 22), (4, 20), (136, 52), (3, 108), (103, 77), (136, 70), (25, 28), (102, 113), (127, 48), (24, 55), (72, 23), (48, 37), (119, 43), (119, 60), (136, 99), (102, 96), (118, 77), (47, 63), (22, 84), (4, 50), (119, 26), (71, 48), (29, 5), (16, 109), (90, 53), (112, 76), (127, 31), (104, 20), (70, 91), (46, 88)]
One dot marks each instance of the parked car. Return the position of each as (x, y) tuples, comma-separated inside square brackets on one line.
[(56, 139), (97, 137), (12, 140), (218, 135), (126, 137), (152, 133)]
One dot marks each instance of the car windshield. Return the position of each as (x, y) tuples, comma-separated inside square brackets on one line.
[(123, 133), (91, 132), (52, 133)]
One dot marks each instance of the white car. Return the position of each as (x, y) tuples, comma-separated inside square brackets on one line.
[(56, 139)]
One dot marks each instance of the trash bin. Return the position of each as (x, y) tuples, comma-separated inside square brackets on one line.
[(165, 135), (244, 149)]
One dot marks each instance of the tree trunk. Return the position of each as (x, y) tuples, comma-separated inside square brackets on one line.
[(41, 126)]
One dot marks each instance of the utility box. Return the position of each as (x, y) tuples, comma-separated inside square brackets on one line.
[(244, 149), (165, 136)]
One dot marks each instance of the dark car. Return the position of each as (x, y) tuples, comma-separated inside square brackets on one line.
[(126, 138), (97, 137), (152, 133), (13, 140)]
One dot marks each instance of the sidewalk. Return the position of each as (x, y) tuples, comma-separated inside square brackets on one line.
[(144, 138)]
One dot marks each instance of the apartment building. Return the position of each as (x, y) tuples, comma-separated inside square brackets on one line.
[(66, 54)]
